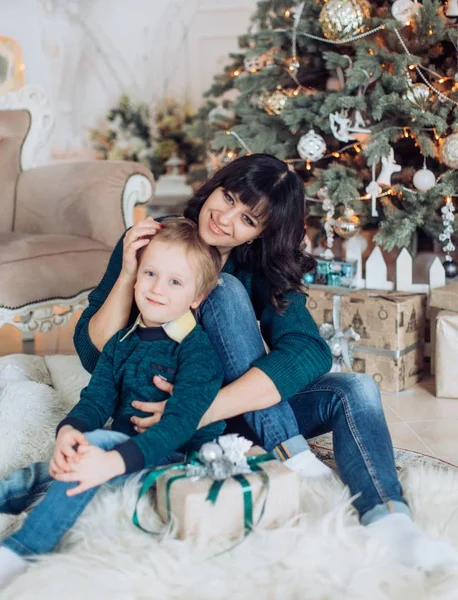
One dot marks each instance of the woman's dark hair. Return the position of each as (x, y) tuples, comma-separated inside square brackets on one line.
[(276, 194)]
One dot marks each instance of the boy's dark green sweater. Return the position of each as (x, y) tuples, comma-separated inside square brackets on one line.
[(298, 354), (125, 372)]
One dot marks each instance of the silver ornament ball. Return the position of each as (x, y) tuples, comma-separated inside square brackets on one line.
[(451, 268), (311, 146), (210, 452), (404, 10), (418, 95), (424, 179)]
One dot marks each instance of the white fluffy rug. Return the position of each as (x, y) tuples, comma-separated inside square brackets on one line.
[(324, 555)]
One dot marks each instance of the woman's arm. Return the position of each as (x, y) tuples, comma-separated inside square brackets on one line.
[(253, 391), (110, 302)]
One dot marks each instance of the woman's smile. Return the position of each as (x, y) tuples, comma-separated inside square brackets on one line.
[(214, 227)]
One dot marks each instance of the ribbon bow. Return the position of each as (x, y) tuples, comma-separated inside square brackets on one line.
[(339, 340)]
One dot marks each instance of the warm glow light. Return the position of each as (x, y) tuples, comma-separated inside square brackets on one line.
[(407, 23), (411, 67), (236, 73), (228, 132), (357, 148), (336, 154), (230, 154), (430, 32), (406, 133), (308, 166), (287, 14), (442, 79), (448, 199)]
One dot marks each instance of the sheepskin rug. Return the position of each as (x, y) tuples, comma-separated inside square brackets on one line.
[(323, 555)]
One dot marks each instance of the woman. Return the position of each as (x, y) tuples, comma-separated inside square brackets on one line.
[(252, 210)]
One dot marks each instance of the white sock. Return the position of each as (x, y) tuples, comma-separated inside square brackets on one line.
[(306, 464), (412, 546), (11, 565)]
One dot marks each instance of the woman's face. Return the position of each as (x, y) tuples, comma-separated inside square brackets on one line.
[(225, 222)]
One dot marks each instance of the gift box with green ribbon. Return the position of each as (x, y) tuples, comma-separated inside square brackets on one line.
[(375, 332), (223, 493)]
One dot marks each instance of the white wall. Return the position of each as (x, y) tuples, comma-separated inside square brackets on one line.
[(85, 53)]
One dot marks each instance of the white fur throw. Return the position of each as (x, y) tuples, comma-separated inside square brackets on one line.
[(324, 555)]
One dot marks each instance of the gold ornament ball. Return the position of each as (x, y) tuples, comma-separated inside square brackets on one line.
[(340, 19), (449, 151), (276, 102), (348, 224)]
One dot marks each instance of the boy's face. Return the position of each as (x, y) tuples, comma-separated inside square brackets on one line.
[(166, 283)]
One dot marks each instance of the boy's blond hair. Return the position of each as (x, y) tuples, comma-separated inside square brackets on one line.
[(206, 259)]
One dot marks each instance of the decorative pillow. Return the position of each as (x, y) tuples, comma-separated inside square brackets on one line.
[(24, 367), (29, 413)]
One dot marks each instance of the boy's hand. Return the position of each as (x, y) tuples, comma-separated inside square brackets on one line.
[(64, 450), (94, 467)]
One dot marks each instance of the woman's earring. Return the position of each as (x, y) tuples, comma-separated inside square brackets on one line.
[(250, 242)]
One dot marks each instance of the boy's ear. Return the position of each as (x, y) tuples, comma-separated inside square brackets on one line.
[(197, 301)]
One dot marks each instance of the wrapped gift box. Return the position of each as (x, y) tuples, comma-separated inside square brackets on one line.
[(443, 298), (391, 327), (333, 272), (446, 353), (195, 516)]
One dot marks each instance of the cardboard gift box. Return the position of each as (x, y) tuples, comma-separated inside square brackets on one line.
[(390, 326), (195, 516), (446, 353), (443, 298)]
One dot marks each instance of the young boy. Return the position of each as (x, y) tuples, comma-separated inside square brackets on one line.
[(176, 271)]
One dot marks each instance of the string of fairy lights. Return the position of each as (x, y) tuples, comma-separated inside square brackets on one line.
[(292, 65)]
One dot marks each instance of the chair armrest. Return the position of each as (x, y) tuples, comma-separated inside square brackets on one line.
[(89, 199)]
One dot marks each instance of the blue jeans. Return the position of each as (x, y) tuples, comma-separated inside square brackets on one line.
[(55, 512), (348, 404)]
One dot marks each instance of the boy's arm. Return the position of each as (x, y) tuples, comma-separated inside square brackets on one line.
[(98, 400), (198, 379)]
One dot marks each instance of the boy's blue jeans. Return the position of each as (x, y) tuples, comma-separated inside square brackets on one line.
[(55, 512), (348, 404)]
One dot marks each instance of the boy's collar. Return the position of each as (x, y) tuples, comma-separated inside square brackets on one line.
[(176, 330)]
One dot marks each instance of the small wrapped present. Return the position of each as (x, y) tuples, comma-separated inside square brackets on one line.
[(443, 298), (390, 327), (333, 272), (446, 353), (223, 492)]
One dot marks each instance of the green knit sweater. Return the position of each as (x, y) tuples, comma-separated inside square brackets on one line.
[(125, 372), (298, 354)]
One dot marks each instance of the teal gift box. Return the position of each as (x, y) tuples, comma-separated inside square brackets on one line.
[(334, 272)]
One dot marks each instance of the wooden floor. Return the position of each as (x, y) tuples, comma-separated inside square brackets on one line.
[(417, 420)]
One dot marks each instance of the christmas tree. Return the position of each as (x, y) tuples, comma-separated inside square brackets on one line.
[(362, 99)]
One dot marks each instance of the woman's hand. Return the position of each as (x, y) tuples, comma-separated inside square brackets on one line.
[(137, 237), (142, 424)]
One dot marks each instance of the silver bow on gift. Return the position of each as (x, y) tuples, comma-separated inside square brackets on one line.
[(339, 340), (222, 459)]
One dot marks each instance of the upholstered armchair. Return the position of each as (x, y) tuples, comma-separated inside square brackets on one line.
[(59, 223)]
